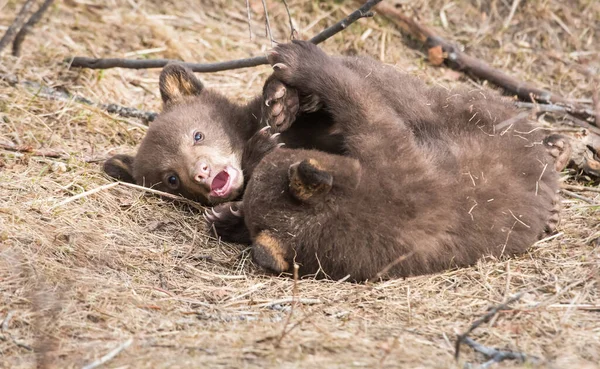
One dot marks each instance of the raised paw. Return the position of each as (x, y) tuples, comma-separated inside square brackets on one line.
[(308, 180), (295, 63), (559, 148), (227, 220), (270, 253), (280, 105)]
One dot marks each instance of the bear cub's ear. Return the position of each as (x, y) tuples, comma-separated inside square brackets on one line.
[(120, 167), (176, 82), (308, 180)]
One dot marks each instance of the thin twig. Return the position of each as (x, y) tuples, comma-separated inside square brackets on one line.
[(294, 32), (164, 194), (577, 196), (362, 12), (497, 356), (4, 328), (111, 355), (16, 47), (93, 63), (395, 262), (484, 319), (513, 9), (85, 194), (287, 300), (510, 121), (581, 188), (458, 60), (267, 23), (294, 297), (53, 94), (587, 114), (16, 24), (249, 19)]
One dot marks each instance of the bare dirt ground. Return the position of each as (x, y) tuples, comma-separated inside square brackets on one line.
[(119, 266)]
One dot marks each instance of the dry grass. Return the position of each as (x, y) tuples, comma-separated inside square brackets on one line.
[(80, 279)]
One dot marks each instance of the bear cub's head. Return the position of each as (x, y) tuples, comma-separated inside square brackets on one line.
[(190, 149)]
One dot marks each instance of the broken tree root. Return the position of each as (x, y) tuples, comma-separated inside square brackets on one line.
[(53, 94), (440, 51), (93, 63)]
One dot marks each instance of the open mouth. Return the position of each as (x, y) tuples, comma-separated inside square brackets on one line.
[(221, 185)]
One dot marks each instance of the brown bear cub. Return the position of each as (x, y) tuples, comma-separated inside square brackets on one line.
[(422, 187), (196, 147)]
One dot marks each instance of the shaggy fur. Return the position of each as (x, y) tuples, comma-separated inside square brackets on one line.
[(431, 179)]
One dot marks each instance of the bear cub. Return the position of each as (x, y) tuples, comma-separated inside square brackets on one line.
[(410, 195)]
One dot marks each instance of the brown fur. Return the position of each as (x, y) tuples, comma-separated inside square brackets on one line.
[(426, 174)]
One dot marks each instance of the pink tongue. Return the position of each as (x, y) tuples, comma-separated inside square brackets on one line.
[(220, 181)]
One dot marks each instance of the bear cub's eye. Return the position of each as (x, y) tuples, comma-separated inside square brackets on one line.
[(198, 137), (173, 181)]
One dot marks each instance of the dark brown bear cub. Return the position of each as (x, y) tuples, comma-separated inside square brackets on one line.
[(401, 202)]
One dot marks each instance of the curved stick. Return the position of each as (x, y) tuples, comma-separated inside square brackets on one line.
[(93, 63)]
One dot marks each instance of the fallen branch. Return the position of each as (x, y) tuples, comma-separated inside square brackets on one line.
[(584, 113), (484, 319), (94, 63), (53, 94), (458, 60), (579, 197), (16, 24), (496, 355), (573, 113), (493, 354), (16, 47)]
